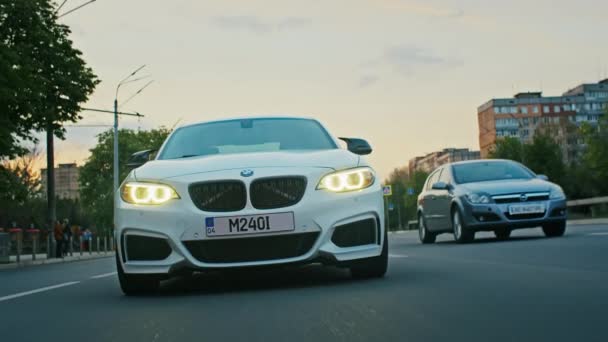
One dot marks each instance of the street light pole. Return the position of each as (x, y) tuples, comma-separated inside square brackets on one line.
[(115, 144), (124, 81)]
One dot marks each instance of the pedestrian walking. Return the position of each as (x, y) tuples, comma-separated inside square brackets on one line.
[(58, 233)]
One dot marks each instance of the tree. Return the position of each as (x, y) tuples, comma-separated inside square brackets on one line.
[(595, 155), (544, 156), (43, 78), (508, 148), (19, 188), (415, 181), (96, 184)]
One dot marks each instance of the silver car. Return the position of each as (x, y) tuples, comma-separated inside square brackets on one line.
[(488, 195)]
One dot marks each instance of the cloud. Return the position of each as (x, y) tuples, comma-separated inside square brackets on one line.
[(368, 80), (293, 23), (408, 55), (405, 60), (425, 9), (259, 25)]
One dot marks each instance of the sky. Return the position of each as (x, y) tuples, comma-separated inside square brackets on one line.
[(405, 75)]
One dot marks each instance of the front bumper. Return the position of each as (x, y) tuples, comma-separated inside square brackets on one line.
[(180, 221), (480, 217)]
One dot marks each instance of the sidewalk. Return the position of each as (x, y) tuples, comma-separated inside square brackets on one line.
[(41, 259)]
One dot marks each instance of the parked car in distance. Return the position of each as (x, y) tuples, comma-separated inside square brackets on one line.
[(488, 195)]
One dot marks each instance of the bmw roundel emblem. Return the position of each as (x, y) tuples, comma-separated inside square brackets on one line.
[(247, 173), (523, 197)]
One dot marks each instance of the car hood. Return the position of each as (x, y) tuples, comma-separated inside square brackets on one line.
[(504, 187), (160, 169)]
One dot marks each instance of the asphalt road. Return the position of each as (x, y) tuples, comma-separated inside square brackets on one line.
[(527, 289)]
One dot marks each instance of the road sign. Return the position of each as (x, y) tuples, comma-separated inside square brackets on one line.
[(387, 190), (410, 191), (391, 206)]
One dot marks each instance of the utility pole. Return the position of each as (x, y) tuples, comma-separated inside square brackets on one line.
[(50, 186)]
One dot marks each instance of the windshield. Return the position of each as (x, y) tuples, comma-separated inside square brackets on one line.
[(247, 136), (489, 171)]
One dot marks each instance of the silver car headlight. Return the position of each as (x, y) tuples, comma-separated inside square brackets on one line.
[(147, 193), (478, 198), (558, 194), (348, 180)]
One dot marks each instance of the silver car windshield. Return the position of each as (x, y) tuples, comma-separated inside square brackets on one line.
[(247, 136), (489, 171)]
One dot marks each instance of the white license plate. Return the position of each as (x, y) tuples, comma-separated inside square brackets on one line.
[(250, 224), (524, 209)]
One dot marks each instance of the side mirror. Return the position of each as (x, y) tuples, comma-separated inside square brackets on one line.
[(543, 177), (138, 159), (441, 186), (357, 146)]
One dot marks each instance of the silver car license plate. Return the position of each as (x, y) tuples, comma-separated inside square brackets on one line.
[(525, 209), (249, 224)]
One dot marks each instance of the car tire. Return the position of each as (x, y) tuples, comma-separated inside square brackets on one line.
[(461, 233), (425, 236), (374, 267), (136, 284), (503, 234), (554, 229)]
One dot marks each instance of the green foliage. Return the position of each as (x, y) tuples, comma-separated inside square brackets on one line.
[(415, 181), (508, 148), (544, 156), (96, 174), (43, 79), (595, 156), (401, 180)]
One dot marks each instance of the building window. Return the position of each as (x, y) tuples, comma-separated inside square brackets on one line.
[(513, 110), (524, 110), (546, 109), (535, 109), (496, 110), (557, 109), (587, 106), (566, 107)]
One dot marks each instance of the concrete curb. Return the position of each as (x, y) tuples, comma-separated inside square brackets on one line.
[(29, 263)]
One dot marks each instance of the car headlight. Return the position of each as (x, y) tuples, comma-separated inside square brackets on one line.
[(557, 194), (476, 198), (348, 180), (147, 193)]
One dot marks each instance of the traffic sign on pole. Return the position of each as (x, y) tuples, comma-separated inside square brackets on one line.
[(387, 190)]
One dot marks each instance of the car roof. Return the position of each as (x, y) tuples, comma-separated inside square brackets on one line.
[(282, 117)]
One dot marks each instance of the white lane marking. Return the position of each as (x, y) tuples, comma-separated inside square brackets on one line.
[(598, 234), (42, 289), (397, 256), (99, 276)]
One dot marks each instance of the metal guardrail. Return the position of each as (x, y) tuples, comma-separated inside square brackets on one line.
[(587, 201), (15, 241)]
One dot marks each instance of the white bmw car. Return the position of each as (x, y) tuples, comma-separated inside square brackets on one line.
[(249, 192)]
